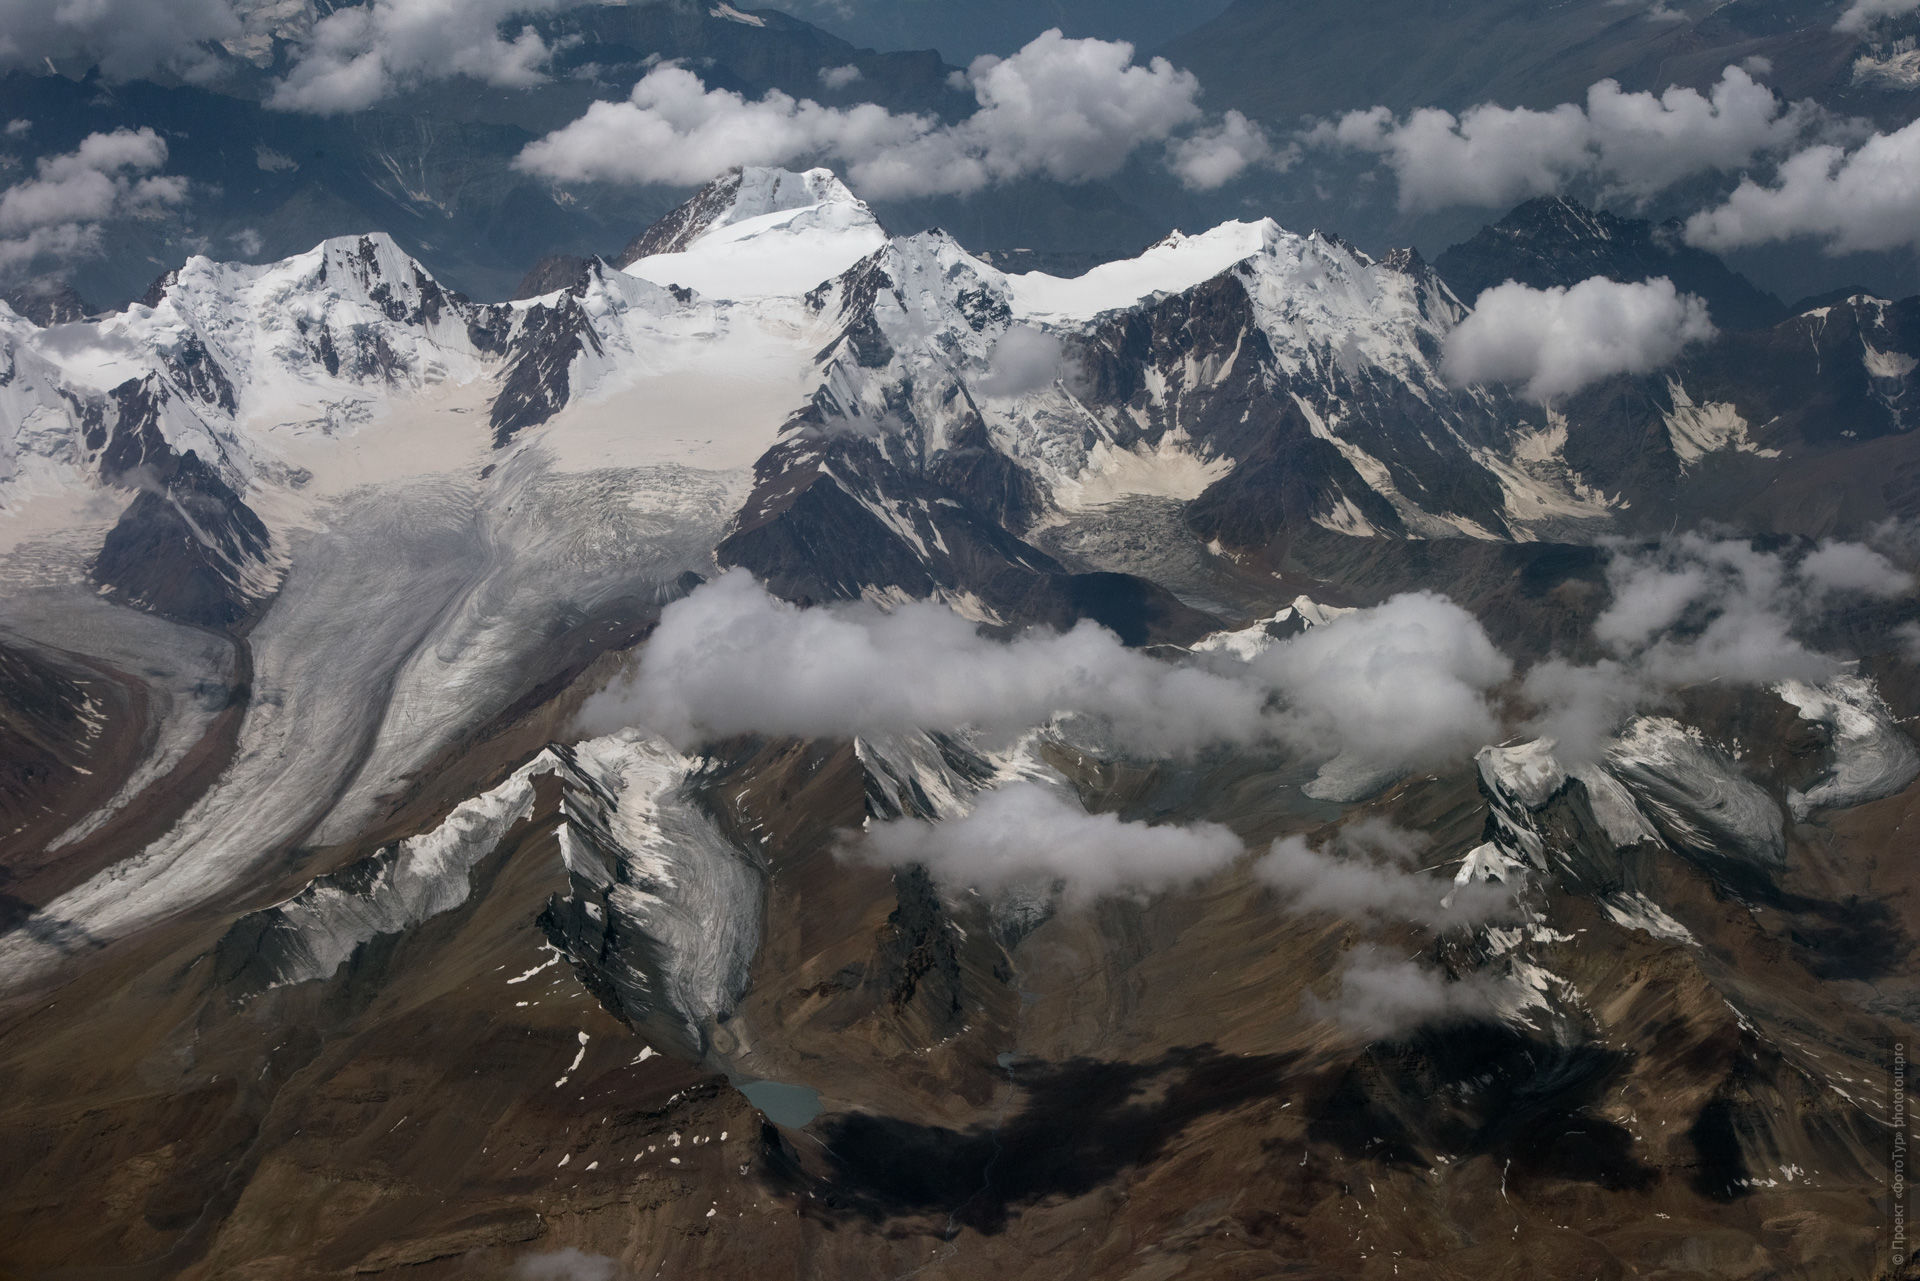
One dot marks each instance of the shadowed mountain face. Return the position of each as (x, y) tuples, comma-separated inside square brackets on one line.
[(362, 912), (1555, 242)]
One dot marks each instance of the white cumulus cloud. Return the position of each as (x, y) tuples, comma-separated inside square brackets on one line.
[(1382, 998), (1403, 685), (1693, 609), (1645, 143), (569, 1264), (733, 659), (1074, 110), (1216, 155), (1862, 15), (673, 129), (1487, 156), (1363, 875), (1864, 199), (1024, 360), (1552, 342)]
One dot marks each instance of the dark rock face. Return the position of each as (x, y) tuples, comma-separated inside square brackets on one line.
[(677, 229), (43, 739), (187, 547), (1844, 372), (199, 374), (1811, 394), (1287, 474), (1555, 241), (980, 474), (833, 519), (1278, 487), (555, 271), (918, 964), (47, 302), (265, 949), (536, 384)]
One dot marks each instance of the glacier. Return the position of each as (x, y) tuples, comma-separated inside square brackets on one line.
[(1871, 758)]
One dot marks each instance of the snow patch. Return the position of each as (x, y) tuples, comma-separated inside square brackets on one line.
[(1635, 911), (1699, 430)]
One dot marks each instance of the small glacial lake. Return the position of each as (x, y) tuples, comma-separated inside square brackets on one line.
[(791, 1106)]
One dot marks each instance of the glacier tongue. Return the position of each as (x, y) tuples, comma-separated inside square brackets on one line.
[(664, 910), (1697, 795), (1871, 758)]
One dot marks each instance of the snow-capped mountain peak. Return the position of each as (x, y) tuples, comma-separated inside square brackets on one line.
[(759, 233), (1179, 262)]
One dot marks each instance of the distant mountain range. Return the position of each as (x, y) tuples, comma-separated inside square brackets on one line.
[(433, 167)]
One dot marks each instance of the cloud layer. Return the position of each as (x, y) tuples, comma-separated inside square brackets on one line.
[(59, 212), (1864, 199), (1025, 832), (1024, 360), (1066, 109), (1382, 998), (1552, 342), (1696, 609), (359, 54), (352, 58), (1633, 144), (1862, 15), (1400, 686), (732, 659), (127, 38), (569, 1264), (1364, 875), (1216, 155)]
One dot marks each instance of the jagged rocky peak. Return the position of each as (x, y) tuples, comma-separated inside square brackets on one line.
[(366, 268), (761, 191), (1319, 293), (353, 308), (374, 268), (928, 281), (1309, 288)]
